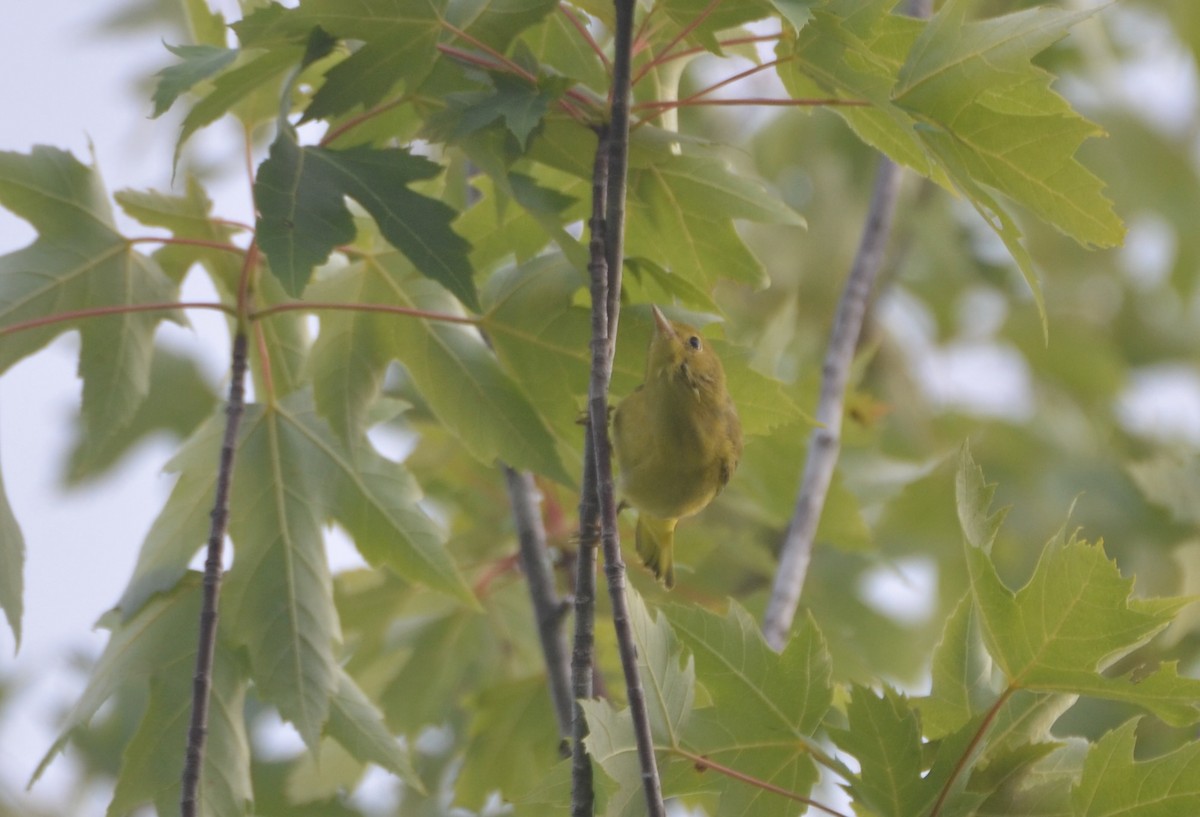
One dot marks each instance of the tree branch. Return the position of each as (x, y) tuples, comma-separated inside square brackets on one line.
[(825, 442), (701, 763), (202, 679), (539, 578), (583, 651), (606, 301)]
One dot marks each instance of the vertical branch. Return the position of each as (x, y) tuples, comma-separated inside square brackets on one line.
[(584, 649), (606, 299), (548, 608), (825, 442), (202, 679)]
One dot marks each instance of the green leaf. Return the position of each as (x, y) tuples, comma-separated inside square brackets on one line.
[(521, 105), (278, 597), (151, 762), (1074, 616), (974, 500), (786, 693), (12, 566), (884, 736), (158, 646), (680, 215), (182, 526), (515, 721), (542, 338), (399, 49), (764, 709), (357, 724), (303, 216), (961, 670), (377, 501), (234, 86), (199, 63), (450, 365), (180, 398), (497, 22), (1172, 481), (669, 687), (79, 261), (1114, 783), (1009, 129)]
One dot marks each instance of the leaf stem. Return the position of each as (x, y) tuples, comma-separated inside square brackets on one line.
[(764, 101), (316, 306), (686, 30), (509, 66), (965, 758), (187, 242), (587, 36), (101, 311), (333, 134), (548, 608), (705, 763), (207, 640)]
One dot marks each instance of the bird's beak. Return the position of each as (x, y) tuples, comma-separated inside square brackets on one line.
[(662, 325)]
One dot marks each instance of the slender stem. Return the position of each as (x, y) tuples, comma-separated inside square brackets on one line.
[(187, 242), (548, 608), (503, 63), (102, 311), (687, 52), (587, 35), (206, 646), (965, 759), (584, 647), (825, 442), (663, 104), (683, 32), (606, 301), (349, 306), (701, 762), (333, 134)]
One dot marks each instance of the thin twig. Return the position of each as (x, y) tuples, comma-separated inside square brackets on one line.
[(188, 242), (539, 578), (683, 32), (965, 758), (606, 301), (206, 646), (584, 642), (701, 762), (350, 306), (333, 134), (587, 35), (103, 311), (660, 105), (825, 442)]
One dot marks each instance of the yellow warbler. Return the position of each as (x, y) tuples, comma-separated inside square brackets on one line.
[(677, 439)]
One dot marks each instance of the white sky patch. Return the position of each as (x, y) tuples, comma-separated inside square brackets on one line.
[(1162, 403), (1149, 251), (904, 590)]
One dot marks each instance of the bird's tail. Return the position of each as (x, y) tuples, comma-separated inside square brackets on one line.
[(656, 545)]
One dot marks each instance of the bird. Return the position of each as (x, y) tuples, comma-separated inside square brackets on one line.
[(677, 439)]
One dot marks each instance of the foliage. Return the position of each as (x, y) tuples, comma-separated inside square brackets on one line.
[(433, 229)]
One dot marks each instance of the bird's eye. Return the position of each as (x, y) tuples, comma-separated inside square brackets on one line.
[(694, 342)]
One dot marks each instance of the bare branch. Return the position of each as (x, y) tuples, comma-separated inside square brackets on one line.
[(539, 578), (202, 679), (825, 442)]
